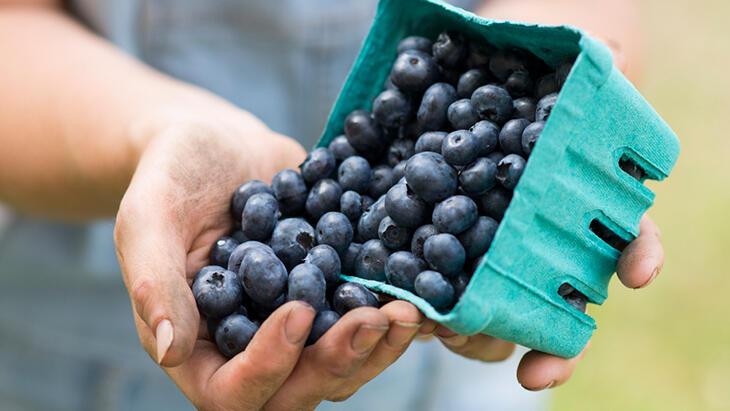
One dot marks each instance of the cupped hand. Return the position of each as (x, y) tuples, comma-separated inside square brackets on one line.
[(176, 206), (638, 266)]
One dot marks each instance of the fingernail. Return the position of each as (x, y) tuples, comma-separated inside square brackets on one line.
[(298, 322), (454, 341), (653, 276), (401, 333), (164, 335), (367, 336)]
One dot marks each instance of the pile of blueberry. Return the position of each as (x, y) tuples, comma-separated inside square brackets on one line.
[(411, 194)]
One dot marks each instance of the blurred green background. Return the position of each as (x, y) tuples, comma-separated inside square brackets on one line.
[(667, 347)]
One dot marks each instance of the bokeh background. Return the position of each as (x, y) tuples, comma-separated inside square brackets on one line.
[(667, 347)]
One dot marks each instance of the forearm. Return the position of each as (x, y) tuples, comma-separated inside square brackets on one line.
[(76, 114)]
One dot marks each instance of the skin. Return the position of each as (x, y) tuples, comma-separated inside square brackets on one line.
[(82, 141)]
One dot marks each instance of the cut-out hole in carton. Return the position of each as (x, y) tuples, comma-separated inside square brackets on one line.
[(630, 167), (607, 235), (573, 297)]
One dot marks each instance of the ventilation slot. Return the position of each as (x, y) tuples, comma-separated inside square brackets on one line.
[(630, 167), (573, 297), (607, 235)]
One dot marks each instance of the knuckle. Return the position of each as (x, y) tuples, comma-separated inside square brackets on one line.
[(342, 395), (342, 368), (142, 291)]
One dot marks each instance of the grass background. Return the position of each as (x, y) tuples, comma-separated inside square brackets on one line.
[(668, 347)]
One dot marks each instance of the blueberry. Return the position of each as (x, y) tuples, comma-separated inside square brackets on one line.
[(479, 54), (349, 257), (470, 81), (217, 292), (367, 226), (400, 150), (306, 283), (444, 253), (399, 171), (370, 261), (243, 193), (461, 114), (319, 164), (349, 296), (290, 190), (509, 170), (430, 141), (402, 268), (415, 43), (239, 236), (414, 71), (264, 276), (562, 73), (364, 134), (327, 260), (420, 236), (477, 239), (334, 229), (510, 138), (221, 251), (367, 202), (493, 103), (455, 214), (430, 177), (460, 148), (573, 297), (450, 49), (393, 236), (404, 207), (236, 258), (355, 174), (478, 177), (260, 216), (432, 113), (262, 311), (459, 283), (341, 148), (530, 136), (381, 182), (391, 109), (494, 202), (545, 106), (518, 84), (351, 205), (505, 62), (322, 322), (434, 288), (496, 156), (546, 84), (233, 334), (291, 241), (524, 108), (487, 134), (323, 197)]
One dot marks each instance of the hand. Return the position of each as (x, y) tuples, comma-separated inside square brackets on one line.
[(639, 264), (176, 206)]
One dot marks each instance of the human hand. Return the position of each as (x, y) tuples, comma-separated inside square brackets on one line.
[(176, 206)]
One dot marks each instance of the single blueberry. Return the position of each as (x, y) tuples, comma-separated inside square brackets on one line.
[(496, 156), (494, 202), (243, 193), (291, 241), (351, 205), (217, 292), (322, 322), (400, 150), (393, 236), (518, 84), (233, 334), (504, 62), (221, 250), (450, 49), (260, 216), (364, 134), (291, 191), (381, 182), (510, 138), (402, 268), (323, 197), (349, 296), (455, 214), (415, 43), (444, 253), (420, 236), (478, 177), (399, 171), (487, 134), (414, 71), (459, 283), (264, 276), (509, 170), (524, 108), (432, 113), (404, 207), (545, 106), (477, 239), (367, 226), (341, 148), (391, 109), (320, 163), (335, 230), (306, 283), (461, 114), (435, 289), (430, 141), (530, 136), (430, 177), (470, 81), (546, 84), (493, 103), (460, 148), (355, 174), (370, 261), (327, 260), (349, 257), (236, 258)]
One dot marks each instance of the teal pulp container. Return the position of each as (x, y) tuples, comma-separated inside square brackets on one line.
[(572, 184)]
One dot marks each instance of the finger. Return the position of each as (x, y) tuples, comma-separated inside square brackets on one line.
[(335, 357), (478, 347), (642, 260), (539, 371), (405, 320)]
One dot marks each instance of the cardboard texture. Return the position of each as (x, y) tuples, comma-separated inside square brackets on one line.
[(572, 177)]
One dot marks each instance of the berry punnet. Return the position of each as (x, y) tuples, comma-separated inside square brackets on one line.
[(411, 193)]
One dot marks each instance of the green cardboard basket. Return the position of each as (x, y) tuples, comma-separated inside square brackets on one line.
[(572, 179)]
